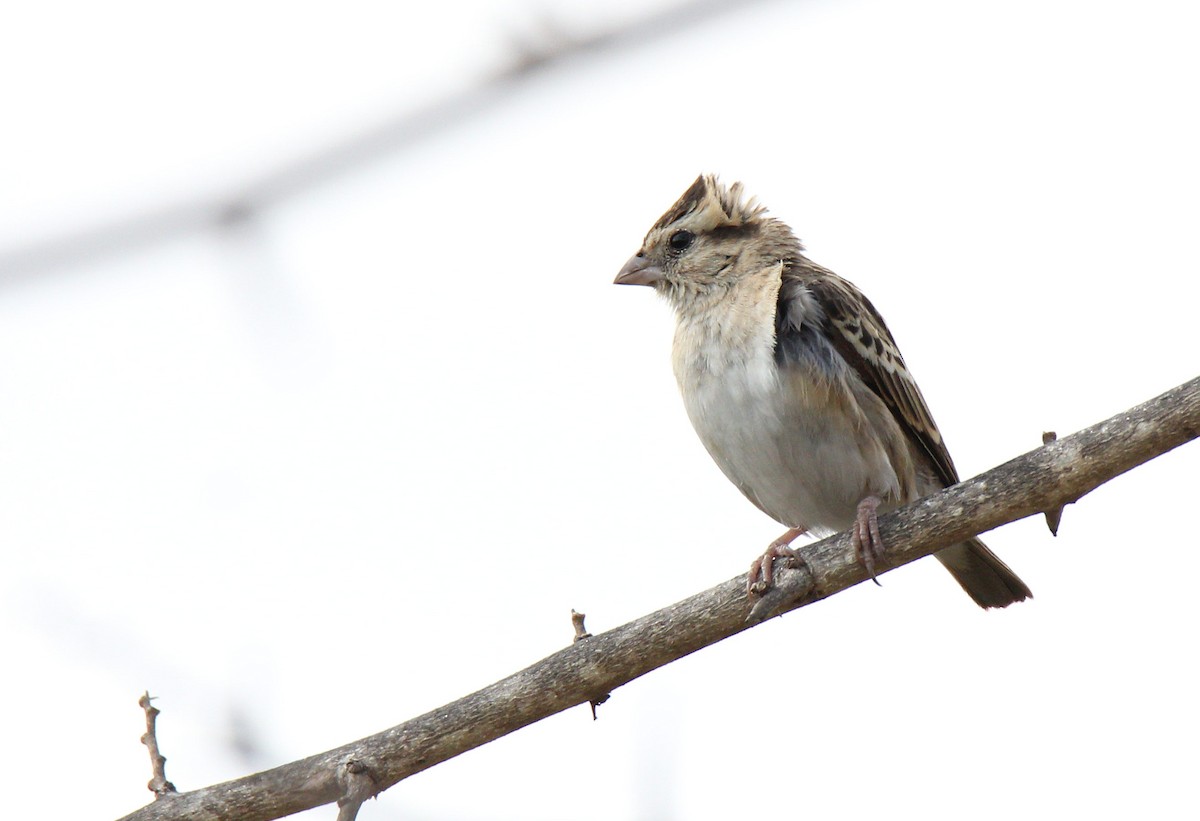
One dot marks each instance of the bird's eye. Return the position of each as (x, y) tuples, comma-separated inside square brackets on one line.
[(680, 241)]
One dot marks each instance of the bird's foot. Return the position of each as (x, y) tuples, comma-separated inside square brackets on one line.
[(868, 544), (762, 569)]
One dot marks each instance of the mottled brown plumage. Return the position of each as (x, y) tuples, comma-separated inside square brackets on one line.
[(795, 385), (862, 338)]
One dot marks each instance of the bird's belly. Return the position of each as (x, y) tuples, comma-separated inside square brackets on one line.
[(804, 464)]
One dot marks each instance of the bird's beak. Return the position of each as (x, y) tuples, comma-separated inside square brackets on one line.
[(639, 271)]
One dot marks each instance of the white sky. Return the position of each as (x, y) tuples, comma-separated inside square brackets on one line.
[(323, 475)]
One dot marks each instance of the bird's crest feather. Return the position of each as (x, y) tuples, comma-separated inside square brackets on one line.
[(709, 204)]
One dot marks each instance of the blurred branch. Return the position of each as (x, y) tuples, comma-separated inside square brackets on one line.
[(303, 173), (1058, 473)]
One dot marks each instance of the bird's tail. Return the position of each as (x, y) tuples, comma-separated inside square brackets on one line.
[(986, 579)]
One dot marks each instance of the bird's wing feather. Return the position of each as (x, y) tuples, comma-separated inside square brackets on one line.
[(859, 334)]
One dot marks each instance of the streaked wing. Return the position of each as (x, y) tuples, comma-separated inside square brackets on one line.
[(859, 334)]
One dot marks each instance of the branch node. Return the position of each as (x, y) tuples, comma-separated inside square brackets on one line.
[(794, 581), (580, 634), (158, 784), (356, 778)]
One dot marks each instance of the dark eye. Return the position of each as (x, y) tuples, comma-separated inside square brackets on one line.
[(680, 241)]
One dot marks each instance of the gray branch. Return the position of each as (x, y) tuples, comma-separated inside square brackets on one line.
[(1056, 474), (159, 785)]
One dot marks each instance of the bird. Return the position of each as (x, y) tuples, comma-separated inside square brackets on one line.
[(795, 385)]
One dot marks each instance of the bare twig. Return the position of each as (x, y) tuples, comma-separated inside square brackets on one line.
[(577, 622), (1055, 474), (159, 785)]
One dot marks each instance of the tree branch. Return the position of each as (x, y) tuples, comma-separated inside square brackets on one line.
[(1056, 474), (159, 785)]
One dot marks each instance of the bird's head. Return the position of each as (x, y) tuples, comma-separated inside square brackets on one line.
[(709, 240)]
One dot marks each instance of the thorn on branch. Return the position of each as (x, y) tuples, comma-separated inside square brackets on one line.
[(580, 634), (159, 785), (596, 702), (357, 781), (1053, 517)]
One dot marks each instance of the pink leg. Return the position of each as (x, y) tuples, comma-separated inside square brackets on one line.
[(762, 569), (868, 544)]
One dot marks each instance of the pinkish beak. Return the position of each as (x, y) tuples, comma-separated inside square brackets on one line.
[(639, 271)]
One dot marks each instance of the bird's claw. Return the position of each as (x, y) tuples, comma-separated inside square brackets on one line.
[(868, 544), (762, 569)]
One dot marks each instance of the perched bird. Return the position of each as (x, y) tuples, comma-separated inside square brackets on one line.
[(795, 386)]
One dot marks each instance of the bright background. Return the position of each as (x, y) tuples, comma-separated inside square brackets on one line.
[(310, 473)]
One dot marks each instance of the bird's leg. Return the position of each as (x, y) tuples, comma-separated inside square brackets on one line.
[(762, 569), (868, 544)]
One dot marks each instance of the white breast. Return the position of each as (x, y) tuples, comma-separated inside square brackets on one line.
[(794, 443)]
